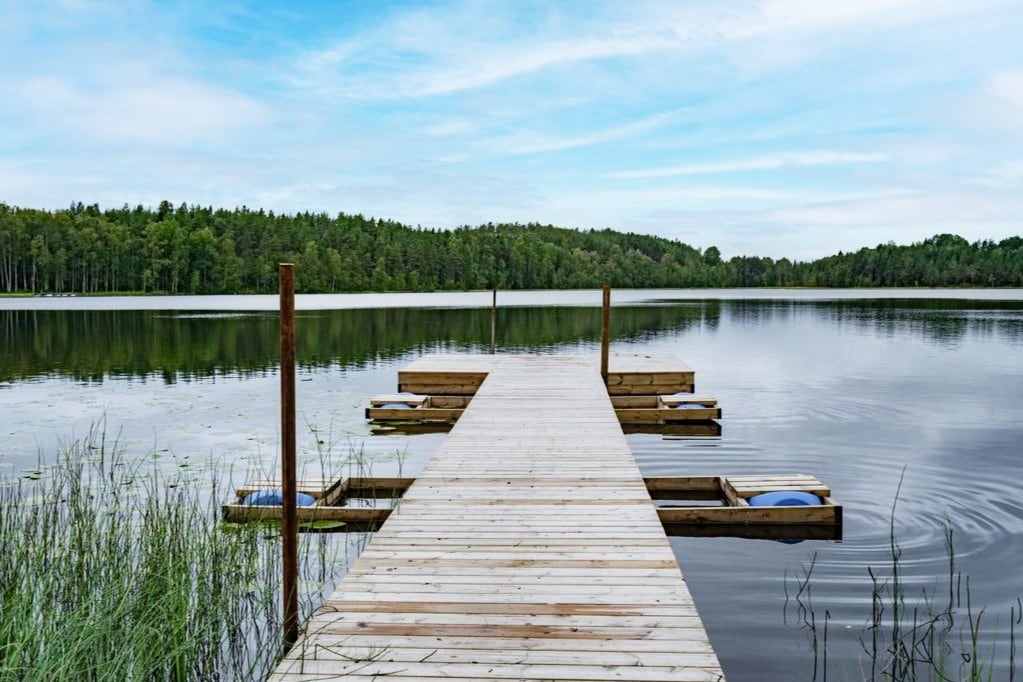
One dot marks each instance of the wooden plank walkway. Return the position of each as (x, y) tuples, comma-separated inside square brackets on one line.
[(527, 549)]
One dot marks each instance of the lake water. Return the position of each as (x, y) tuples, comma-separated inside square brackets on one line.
[(852, 386)]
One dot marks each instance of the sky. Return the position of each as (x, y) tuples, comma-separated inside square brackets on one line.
[(792, 128)]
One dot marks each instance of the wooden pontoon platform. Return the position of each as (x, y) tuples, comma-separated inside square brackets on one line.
[(527, 549), (644, 390), (462, 374)]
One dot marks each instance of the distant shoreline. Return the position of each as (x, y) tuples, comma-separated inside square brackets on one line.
[(481, 299), (158, 294)]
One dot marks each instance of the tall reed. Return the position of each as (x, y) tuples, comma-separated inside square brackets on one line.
[(912, 638), (113, 569)]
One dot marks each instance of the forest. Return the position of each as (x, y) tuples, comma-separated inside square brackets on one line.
[(191, 249)]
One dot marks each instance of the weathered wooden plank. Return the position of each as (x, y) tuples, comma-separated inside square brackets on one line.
[(760, 515), (654, 401), (333, 626), (357, 651), (745, 487), (439, 389), (315, 669), (240, 512), (666, 414), (707, 429), (682, 484), (421, 413), (647, 389), (377, 486), (408, 398), (517, 645), (759, 531)]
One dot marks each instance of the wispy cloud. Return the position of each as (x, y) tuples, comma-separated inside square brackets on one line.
[(773, 162), (154, 110), (532, 143), (525, 59), (415, 54), (1008, 175), (1008, 87)]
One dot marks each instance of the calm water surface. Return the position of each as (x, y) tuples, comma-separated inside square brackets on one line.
[(851, 386)]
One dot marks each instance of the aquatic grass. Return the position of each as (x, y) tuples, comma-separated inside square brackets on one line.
[(911, 638), (113, 569)]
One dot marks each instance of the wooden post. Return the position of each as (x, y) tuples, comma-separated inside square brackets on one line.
[(605, 331), (493, 324), (289, 522)]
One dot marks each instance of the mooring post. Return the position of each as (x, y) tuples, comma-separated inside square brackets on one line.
[(605, 331), (493, 324), (289, 523)]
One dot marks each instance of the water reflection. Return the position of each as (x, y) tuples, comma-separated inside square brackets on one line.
[(942, 321), (92, 345)]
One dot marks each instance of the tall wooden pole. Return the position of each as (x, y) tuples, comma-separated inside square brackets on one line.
[(493, 324), (289, 522), (605, 331)]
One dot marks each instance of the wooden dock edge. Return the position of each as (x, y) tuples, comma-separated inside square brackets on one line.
[(630, 409), (733, 517)]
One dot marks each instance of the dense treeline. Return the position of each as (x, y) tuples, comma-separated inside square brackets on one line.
[(199, 250)]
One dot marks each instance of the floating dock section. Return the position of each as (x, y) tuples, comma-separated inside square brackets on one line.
[(527, 549), (644, 390)]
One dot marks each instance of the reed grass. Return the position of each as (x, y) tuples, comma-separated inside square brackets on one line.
[(937, 635), (112, 569)]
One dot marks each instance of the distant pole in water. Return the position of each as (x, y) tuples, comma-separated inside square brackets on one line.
[(605, 331), (289, 522), (493, 324)]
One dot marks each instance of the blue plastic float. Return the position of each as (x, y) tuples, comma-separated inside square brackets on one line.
[(275, 498), (784, 498), (395, 406)]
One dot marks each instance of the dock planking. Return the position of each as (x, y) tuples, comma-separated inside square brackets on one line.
[(527, 549)]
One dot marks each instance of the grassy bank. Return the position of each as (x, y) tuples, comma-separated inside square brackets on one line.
[(113, 570)]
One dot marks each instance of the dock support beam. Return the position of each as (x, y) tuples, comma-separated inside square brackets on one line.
[(289, 521), (605, 331)]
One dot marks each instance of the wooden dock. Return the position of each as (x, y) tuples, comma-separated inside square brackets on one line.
[(527, 549)]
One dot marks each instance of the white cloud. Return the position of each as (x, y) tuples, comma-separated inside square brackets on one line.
[(817, 228), (995, 107), (151, 109), (526, 58), (1007, 86), (416, 54), (1008, 174), (781, 16), (531, 142), (775, 161)]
